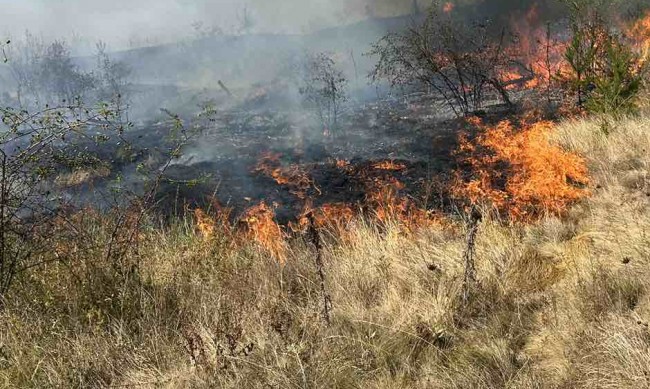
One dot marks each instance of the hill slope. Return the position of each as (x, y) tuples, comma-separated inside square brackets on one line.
[(561, 303)]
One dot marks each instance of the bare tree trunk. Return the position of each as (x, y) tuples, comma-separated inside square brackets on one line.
[(503, 92)]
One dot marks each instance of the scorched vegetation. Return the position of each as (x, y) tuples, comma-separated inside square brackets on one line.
[(514, 254)]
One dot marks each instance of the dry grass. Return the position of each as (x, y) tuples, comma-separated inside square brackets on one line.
[(560, 304)]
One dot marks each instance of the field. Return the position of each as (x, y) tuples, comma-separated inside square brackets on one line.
[(463, 203), (559, 303)]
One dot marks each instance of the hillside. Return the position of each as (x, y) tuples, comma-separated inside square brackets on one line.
[(247, 215), (561, 303), (236, 59)]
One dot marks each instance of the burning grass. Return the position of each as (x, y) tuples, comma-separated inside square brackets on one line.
[(561, 303), (260, 227), (205, 224), (517, 171), (389, 165), (334, 217), (292, 176), (561, 300)]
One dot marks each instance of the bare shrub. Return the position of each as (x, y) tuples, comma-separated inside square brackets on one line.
[(442, 54), (46, 74), (34, 148), (324, 90)]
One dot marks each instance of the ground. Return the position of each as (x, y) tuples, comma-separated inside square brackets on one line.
[(560, 303)]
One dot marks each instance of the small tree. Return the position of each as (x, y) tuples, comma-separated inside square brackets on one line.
[(112, 77), (246, 21), (589, 35), (458, 61), (324, 90), (606, 74), (26, 56), (616, 90), (59, 77)]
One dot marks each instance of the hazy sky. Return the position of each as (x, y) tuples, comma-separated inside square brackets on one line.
[(119, 22)]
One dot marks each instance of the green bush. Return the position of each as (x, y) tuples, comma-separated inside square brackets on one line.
[(617, 87), (606, 74)]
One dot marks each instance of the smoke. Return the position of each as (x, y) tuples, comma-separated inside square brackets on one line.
[(133, 23), (124, 23)]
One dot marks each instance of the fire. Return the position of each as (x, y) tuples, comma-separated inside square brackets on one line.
[(388, 205), (292, 176), (639, 33), (205, 224), (217, 220), (335, 217), (262, 229), (342, 163), (389, 165), (538, 52), (519, 172), (448, 7)]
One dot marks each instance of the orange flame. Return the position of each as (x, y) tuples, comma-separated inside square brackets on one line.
[(448, 7), (335, 217), (389, 165), (388, 205), (292, 176), (205, 224), (262, 229), (342, 163), (639, 33), (519, 172), (539, 53)]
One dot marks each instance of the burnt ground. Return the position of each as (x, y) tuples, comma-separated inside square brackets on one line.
[(414, 131), (409, 132)]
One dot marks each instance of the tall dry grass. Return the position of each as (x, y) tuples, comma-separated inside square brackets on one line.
[(559, 304)]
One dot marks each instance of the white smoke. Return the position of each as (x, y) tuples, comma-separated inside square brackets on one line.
[(127, 23)]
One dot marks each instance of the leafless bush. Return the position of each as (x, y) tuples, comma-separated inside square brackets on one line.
[(324, 89), (112, 77), (442, 54), (46, 74), (37, 148)]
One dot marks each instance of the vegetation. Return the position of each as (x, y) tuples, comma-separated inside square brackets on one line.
[(534, 273), (559, 302), (443, 55), (45, 74), (606, 72), (515, 171), (324, 90)]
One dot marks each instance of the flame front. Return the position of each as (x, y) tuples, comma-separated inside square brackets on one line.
[(261, 228), (204, 223), (639, 34), (389, 165), (539, 177), (292, 176)]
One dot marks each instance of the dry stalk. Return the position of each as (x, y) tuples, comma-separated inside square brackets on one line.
[(469, 279), (316, 241)]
